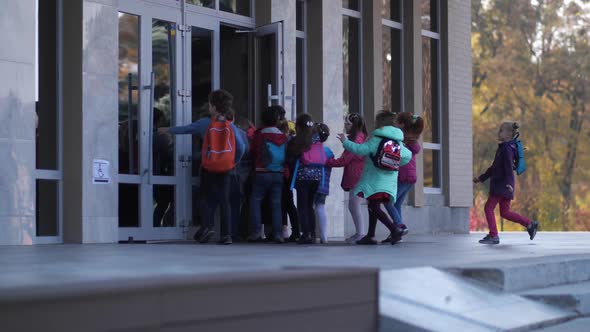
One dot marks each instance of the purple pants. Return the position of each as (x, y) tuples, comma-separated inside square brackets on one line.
[(504, 212)]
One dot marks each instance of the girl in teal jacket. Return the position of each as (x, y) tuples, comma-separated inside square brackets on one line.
[(377, 185)]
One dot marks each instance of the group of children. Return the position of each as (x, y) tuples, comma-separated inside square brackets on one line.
[(277, 159)]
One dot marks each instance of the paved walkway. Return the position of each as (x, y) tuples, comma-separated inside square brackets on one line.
[(47, 265)]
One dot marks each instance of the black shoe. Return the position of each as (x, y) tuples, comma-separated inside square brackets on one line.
[(387, 239), (488, 239), (225, 240), (396, 236), (294, 237), (367, 240), (207, 235), (199, 232), (532, 229), (305, 239)]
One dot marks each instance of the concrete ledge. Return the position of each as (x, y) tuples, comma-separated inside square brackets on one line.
[(525, 274), (575, 297), (262, 301)]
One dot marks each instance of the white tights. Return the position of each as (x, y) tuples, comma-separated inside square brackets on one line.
[(354, 206)]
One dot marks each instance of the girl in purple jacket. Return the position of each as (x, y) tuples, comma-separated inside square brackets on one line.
[(412, 126), (501, 175), (355, 128)]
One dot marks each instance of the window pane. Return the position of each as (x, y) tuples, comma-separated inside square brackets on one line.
[(351, 4), (392, 10), (202, 84), (300, 76), (299, 16), (240, 7), (431, 168), (236, 77), (163, 204), (202, 3), (128, 205), (47, 87), (47, 208), (163, 65), (392, 73), (430, 90), (351, 70), (128, 94), (429, 14)]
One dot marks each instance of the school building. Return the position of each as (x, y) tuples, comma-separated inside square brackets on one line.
[(85, 83)]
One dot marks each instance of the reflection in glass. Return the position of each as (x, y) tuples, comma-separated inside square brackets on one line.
[(240, 7), (300, 75), (202, 3), (392, 69), (163, 65), (431, 168), (429, 9), (47, 208), (46, 86), (202, 84), (128, 93), (235, 75), (351, 70), (430, 90), (128, 205), (299, 16), (392, 10), (163, 204), (267, 66), (351, 4)]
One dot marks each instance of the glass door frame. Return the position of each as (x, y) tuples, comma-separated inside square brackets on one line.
[(147, 12)]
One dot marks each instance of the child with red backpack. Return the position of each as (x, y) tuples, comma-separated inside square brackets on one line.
[(378, 183), (222, 149), (304, 154), (268, 153)]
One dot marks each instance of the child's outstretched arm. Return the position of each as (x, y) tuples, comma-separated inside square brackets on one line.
[(363, 149), (484, 176)]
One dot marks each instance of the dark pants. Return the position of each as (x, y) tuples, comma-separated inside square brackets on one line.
[(271, 185), (375, 213), (215, 188), (289, 209), (305, 195)]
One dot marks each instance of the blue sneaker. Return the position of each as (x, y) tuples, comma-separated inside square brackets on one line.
[(488, 239)]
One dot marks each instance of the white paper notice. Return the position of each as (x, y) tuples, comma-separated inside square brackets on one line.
[(100, 172)]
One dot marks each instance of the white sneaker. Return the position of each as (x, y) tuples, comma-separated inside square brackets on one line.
[(354, 238), (285, 232)]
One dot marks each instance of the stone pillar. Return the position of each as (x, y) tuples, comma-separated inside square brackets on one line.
[(372, 66), (325, 93), (457, 116), (17, 122), (412, 35), (90, 120)]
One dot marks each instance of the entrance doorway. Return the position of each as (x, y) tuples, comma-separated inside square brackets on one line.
[(171, 55)]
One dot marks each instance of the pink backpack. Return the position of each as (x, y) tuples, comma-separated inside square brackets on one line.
[(315, 155)]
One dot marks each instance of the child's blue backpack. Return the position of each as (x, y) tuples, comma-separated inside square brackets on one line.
[(273, 156), (519, 163)]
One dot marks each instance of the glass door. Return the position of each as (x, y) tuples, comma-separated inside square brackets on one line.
[(268, 55), (151, 176)]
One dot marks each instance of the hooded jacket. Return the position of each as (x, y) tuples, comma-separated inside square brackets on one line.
[(407, 173), (262, 135), (501, 173), (375, 180), (353, 165)]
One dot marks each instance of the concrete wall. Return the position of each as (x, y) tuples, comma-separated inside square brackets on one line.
[(17, 122)]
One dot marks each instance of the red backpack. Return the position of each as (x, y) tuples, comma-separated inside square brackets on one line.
[(388, 156), (219, 147)]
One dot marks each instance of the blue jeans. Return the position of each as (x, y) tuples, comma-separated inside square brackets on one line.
[(395, 209), (271, 185)]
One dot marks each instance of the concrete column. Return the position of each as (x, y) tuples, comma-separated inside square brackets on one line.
[(325, 93), (372, 65), (457, 117), (90, 120), (17, 122), (412, 35)]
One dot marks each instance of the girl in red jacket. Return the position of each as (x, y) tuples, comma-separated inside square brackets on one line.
[(355, 128)]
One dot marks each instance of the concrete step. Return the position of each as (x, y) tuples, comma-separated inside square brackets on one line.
[(574, 296), (427, 299), (530, 273), (576, 325), (314, 299)]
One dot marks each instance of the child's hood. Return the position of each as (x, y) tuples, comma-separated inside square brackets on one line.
[(274, 135), (390, 132)]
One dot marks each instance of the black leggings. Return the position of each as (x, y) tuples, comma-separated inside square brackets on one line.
[(305, 194), (375, 213), (289, 208)]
